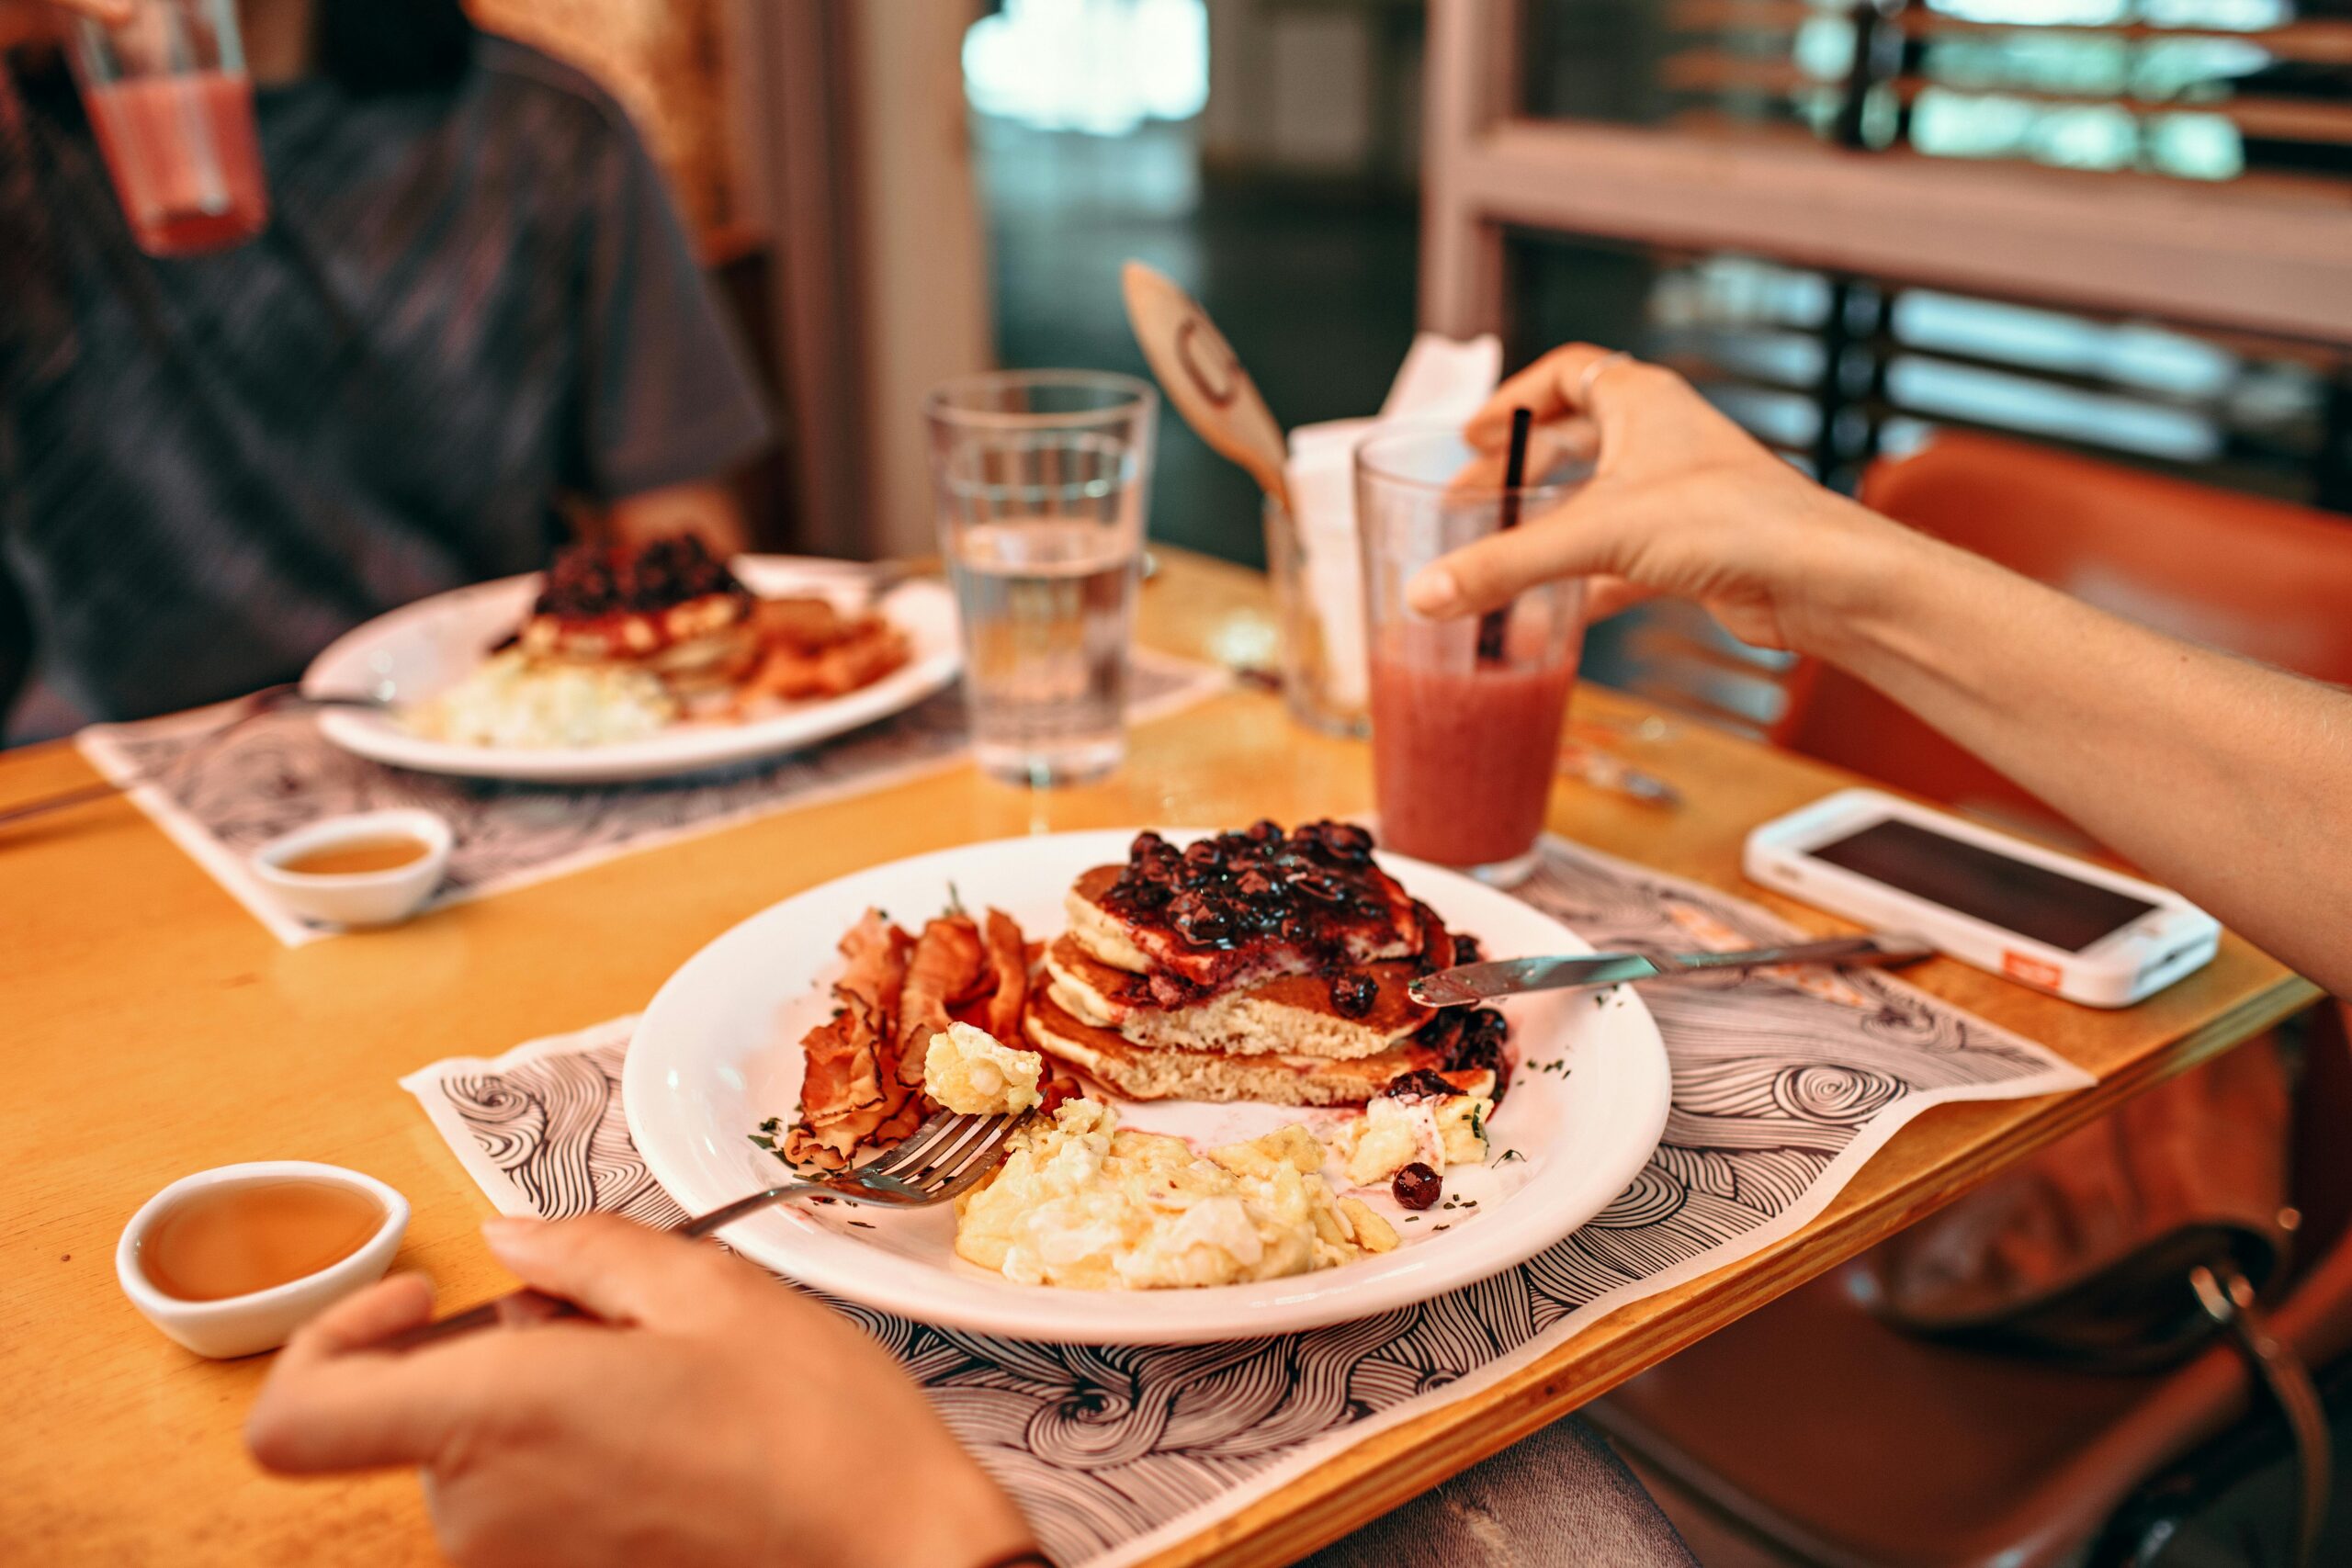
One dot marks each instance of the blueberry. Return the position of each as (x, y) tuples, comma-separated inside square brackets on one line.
[(1417, 1186), (1318, 886), (1419, 1081), (1353, 995)]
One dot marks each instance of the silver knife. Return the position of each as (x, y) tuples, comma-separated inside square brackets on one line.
[(1468, 983)]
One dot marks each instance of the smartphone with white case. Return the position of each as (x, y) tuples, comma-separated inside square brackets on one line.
[(2031, 915)]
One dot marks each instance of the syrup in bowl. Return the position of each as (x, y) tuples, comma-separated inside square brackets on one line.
[(373, 868), (358, 857), (234, 1239)]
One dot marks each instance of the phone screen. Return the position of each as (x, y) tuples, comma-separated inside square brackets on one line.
[(2031, 900)]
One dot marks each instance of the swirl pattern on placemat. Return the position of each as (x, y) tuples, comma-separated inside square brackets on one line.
[(1783, 1083), (555, 1127)]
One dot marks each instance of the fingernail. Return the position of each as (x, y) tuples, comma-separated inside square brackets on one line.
[(1434, 592), (506, 1229)]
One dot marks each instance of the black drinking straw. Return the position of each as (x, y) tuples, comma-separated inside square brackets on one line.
[(1492, 624)]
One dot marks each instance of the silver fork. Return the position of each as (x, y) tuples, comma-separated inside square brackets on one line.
[(941, 1160)]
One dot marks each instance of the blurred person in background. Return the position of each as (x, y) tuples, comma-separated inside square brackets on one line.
[(473, 327)]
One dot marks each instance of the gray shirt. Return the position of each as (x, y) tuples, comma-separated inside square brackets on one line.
[(468, 304)]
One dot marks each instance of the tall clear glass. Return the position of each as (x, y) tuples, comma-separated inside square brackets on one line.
[(1042, 479), (1465, 714), (1322, 669), (173, 111)]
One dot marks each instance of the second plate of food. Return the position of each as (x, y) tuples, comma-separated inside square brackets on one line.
[(419, 653), (718, 1053)]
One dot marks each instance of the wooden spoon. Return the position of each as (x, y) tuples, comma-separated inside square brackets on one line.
[(1202, 377)]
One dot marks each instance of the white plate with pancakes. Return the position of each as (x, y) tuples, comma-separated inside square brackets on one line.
[(717, 1053), (413, 653)]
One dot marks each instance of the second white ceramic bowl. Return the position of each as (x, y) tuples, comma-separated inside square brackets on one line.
[(361, 898), (261, 1320)]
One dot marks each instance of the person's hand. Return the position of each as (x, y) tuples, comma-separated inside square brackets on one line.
[(713, 1419), (1682, 501)]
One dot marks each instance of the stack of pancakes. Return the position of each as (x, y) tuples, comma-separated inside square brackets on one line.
[(1253, 965), (668, 606)]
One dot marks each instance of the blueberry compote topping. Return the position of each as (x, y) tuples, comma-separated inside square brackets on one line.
[(1309, 890), (1418, 1084), (1470, 1040), (584, 582), (1265, 901)]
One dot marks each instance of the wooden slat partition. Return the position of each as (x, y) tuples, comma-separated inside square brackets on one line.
[(1709, 69), (2311, 41)]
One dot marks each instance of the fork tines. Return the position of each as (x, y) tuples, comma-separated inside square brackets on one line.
[(942, 1151)]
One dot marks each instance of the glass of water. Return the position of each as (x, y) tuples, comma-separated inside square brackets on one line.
[(1042, 478)]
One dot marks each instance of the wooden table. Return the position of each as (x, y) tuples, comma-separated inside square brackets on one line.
[(152, 1027)]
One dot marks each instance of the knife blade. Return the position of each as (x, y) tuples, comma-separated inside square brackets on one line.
[(1469, 983)]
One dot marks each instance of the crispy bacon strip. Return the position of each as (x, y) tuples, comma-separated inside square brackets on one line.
[(948, 969), (863, 1090), (1008, 958), (849, 1092), (861, 660), (812, 651), (802, 622), (876, 974)]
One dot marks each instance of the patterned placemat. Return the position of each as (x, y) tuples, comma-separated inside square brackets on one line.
[(277, 772), (1784, 1083)]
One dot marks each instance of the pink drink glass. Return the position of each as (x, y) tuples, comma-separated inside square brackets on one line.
[(173, 111), (1463, 749)]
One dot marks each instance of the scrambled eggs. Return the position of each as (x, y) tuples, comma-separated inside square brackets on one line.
[(511, 700), (1082, 1203), (966, 1070), (1395, 1131)]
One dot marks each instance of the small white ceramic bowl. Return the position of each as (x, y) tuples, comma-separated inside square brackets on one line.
[(262, 1320), (366, 897)]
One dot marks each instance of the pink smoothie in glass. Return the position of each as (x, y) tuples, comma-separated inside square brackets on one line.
[(1462, 755), (187, 166)]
